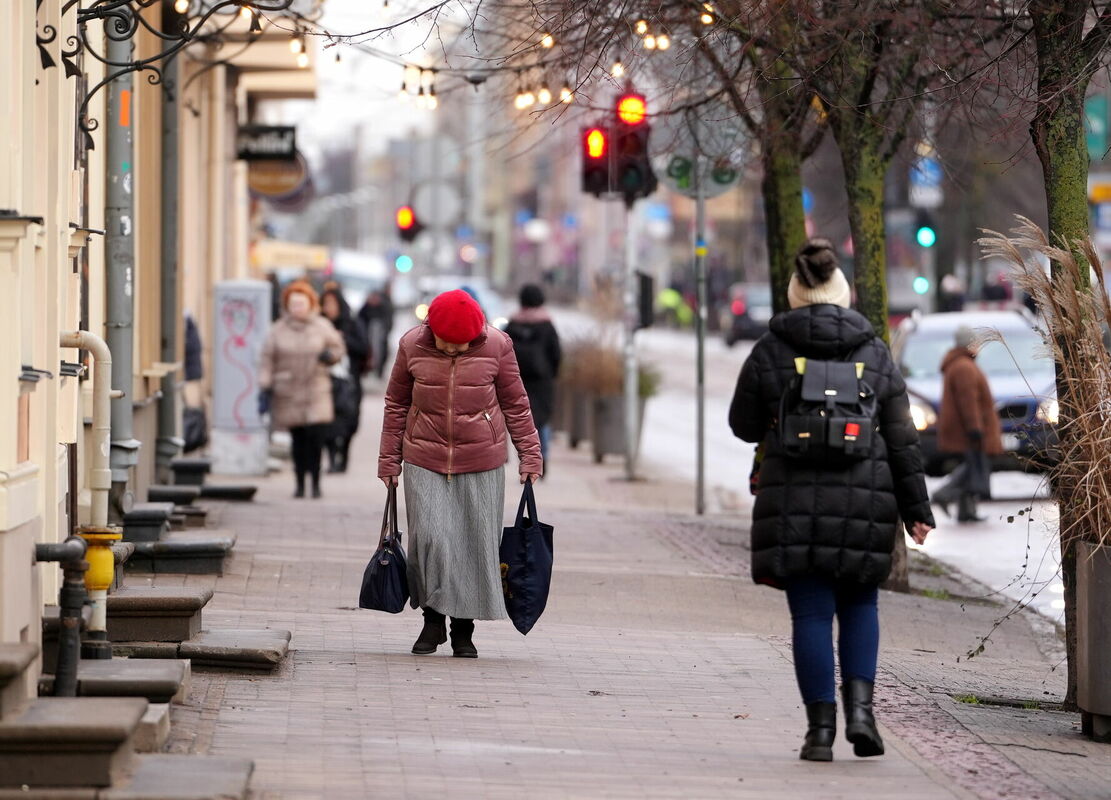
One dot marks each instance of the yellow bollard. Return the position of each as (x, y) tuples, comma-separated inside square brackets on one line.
[(102, 570)]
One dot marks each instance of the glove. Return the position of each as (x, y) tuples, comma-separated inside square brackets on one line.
[(326, 357), (976, 440), (264, 402)]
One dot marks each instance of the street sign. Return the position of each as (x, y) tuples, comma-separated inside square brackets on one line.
[(925, 183), (711, 132), (275, 180), (266, 142), (1095, 126)]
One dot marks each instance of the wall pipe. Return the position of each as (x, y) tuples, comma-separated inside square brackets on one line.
[(98, 534), (71, 554)]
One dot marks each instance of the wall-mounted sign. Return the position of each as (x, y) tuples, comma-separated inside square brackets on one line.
[(258, 142), (276, 180)]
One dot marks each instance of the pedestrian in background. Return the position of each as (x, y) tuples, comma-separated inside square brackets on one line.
[(967, 427), (454, 392), (377, 316), (825, 531), (295, 380), (347, 388), (536, 343)]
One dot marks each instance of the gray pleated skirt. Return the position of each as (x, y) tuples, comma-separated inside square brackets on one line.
[(454, 531)]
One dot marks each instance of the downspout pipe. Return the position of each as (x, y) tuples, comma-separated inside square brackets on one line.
[(119, 245), (71, 555), (98, 534)]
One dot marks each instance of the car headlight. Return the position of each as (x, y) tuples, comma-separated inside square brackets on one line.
[(1049, 411), (922, 414)]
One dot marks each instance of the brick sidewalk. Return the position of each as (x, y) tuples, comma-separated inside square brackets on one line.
[(659, 670)]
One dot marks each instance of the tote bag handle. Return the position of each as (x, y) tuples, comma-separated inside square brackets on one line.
[(389, 517), (528, 498)]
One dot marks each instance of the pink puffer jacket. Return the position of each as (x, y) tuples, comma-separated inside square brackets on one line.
[(450, 414)]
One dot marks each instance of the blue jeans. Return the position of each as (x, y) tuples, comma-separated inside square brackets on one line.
[(545, 434), (813, 602)]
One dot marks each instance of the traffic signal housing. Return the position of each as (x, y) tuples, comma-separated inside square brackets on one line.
[(632, 175), (408, 226), (924, 231), (596, 155)]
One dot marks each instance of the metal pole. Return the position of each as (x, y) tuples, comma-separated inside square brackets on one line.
[(631, 394), (700, 333), (169, 443), (120, 256)]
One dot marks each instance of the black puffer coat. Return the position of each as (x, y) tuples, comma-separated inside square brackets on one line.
[(536, 344), (810, 520)]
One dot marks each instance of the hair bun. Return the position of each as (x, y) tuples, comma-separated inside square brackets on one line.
[(815, 262)]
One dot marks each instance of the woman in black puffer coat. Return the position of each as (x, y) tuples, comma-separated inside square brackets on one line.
[(347, 391), (825, 532)]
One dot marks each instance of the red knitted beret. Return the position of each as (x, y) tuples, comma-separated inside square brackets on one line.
[(455, 317)]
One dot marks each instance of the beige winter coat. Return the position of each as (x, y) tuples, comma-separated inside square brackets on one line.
[(291, 368)]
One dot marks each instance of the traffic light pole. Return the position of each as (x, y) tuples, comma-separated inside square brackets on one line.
[(700, 333), (632, 400)]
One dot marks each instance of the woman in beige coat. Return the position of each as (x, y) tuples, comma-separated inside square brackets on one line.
[(296, 387)]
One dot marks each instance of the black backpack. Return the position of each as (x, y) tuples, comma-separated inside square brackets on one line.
[(827, 412)]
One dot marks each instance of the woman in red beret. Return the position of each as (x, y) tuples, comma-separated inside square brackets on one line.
[(454, 396)]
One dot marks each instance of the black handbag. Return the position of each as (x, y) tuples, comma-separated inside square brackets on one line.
[(385, 584), (526, 564)]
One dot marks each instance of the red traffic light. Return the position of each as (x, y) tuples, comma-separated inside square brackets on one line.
[(406, 219), (595, 140), (632, 109)]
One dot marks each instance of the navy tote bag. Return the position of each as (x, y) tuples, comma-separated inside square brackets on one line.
[(385, 585), (526, 564)]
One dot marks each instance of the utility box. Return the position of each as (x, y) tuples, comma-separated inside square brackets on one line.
[(240, 439)]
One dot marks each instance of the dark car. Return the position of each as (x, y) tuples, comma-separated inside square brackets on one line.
[(1019, 372), (750, 308)]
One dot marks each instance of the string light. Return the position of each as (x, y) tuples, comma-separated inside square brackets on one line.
[(181, 6), (708, 17), (528, 99), (617, 70), (650, 42), (566, 95), (663, 41), (296, 44), (431, 101), (544, 96), (420, 97), (302, 60), (256, 26), (246, 12), (641, 27), (404, 93), (547, 41), (337, 57)]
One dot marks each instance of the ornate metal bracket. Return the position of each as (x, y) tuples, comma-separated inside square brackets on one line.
[(122, 20)]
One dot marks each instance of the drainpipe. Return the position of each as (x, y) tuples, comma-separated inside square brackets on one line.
[(169, 443), (119, 244), (71, 554), (98, 534)]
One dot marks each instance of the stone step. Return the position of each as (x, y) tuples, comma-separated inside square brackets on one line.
[(227, 491), (173, 777), (158, 680), (69, 741), (178, 495), (156, 613), (183, 552), (147, 522), (190, 471), (154, 730), (262, 648), (16, 658), (195, 516), (51, 627)]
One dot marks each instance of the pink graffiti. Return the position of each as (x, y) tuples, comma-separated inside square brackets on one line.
[(238, 317)]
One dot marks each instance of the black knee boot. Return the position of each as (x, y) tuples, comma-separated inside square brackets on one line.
[(432, 635), (821, 730), (860, 722), (461, 644)]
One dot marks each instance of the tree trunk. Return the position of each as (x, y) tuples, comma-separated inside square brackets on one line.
[(1057, 131), (865, 169), (784, 218)]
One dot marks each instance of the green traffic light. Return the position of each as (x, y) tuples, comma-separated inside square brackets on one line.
[(921, 284), (403, 263), (926, 236)]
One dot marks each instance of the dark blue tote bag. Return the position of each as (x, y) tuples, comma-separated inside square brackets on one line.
[(385, 584), (526, 564)]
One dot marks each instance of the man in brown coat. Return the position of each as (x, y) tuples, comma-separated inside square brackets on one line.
[(967, 426)]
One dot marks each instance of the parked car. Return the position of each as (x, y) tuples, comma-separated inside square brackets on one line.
[(1019, 372), (497, 312), (750, 308)]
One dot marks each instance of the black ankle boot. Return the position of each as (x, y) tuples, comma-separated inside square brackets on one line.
[(300, 490), (432, 635), (821, 730), (860, 722), (461, 644), (316, 486)]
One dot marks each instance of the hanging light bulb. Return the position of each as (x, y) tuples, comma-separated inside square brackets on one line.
[(663, 41), (707, 18), (404, 93), (528, 99), (431, 102), (296, 44), (547, 41), (246, 12), (650, 42), (420, 97), (256, 26), (617, 70), (566, 95), (181, 6), (544, 95), (302, 60), (641, 27)]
